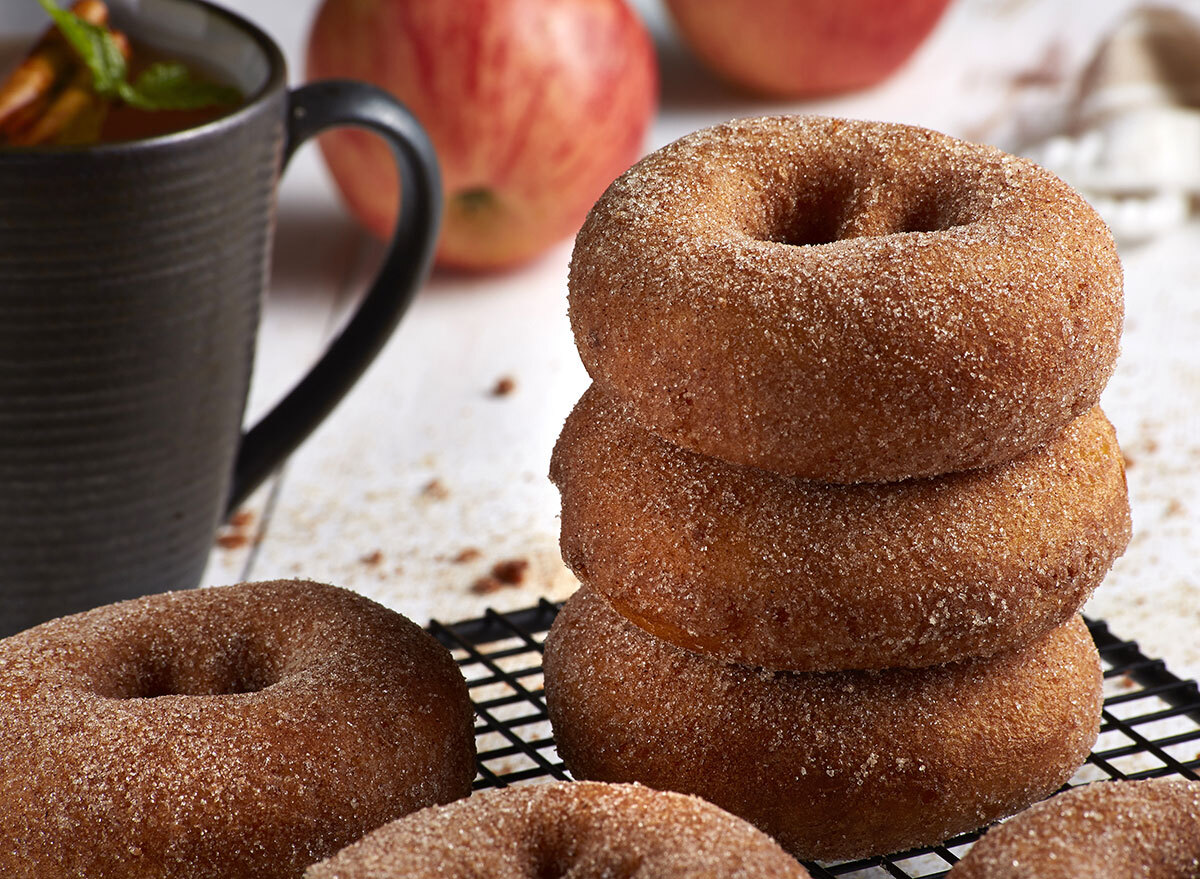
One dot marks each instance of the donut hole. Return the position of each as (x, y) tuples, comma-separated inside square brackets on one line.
[(235, 666), (545, 857), (838, 208), (927, 212), (548, 865), (816, 214), (557, 867), (568, 846)]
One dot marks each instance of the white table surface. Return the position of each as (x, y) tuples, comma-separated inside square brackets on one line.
[(421, 462)]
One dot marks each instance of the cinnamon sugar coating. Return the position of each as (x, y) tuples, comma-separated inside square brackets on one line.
[(580, 829), (768, 570), (239, 731), (833, 765), (846, 301), (1133, 829)]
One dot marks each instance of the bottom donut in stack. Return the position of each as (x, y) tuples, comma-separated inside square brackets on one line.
[(832, 764)]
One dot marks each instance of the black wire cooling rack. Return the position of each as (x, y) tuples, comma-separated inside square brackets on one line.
[(1150, 725)]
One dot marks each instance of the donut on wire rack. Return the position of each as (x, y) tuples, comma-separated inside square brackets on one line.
[(245, 730), (1149, 829), (582, 828), (835, 764)]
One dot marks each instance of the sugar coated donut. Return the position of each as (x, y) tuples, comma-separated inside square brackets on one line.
[(770, 570), (580, 829), (833, 765), (846, 301), (239, 731), (1149, 829)]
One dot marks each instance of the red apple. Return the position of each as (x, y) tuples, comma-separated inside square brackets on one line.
[(801, 48), (534, 107)]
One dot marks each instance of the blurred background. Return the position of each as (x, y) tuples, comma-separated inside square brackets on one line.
[(427, 488)]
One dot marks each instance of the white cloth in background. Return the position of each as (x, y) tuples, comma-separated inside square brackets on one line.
[(1132, 144)]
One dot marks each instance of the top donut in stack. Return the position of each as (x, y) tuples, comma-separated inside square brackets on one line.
[(846, 301), (775, 305), (842, 440)]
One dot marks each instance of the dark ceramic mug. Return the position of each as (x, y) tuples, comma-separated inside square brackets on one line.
[(131, 279)]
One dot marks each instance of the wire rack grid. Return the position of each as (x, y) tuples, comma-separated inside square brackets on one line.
[(1150, 725)]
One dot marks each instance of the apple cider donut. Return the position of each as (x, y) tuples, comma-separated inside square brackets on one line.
[(833, 765), (753, 567), (1149, 829), (245, 730), (846, 301), (565, 828)]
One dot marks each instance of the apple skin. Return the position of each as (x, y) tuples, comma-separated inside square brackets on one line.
[(805, 48), (533, 106)]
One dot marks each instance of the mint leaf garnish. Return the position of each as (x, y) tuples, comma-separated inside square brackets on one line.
[(162, 86), (171, 86), (96, 47)]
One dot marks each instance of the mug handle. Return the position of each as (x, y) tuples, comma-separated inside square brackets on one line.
[(312, 109)]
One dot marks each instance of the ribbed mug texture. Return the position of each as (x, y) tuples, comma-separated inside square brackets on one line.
[(130, 284)]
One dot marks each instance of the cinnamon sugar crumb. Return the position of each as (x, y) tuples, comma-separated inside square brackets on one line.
[(467, 554), (435, 490), (510, 572), (232, 540), (236, 533), (504, 386), (372, 559), (486, 586)]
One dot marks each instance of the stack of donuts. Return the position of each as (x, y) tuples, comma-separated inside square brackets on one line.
[(840, 486)]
